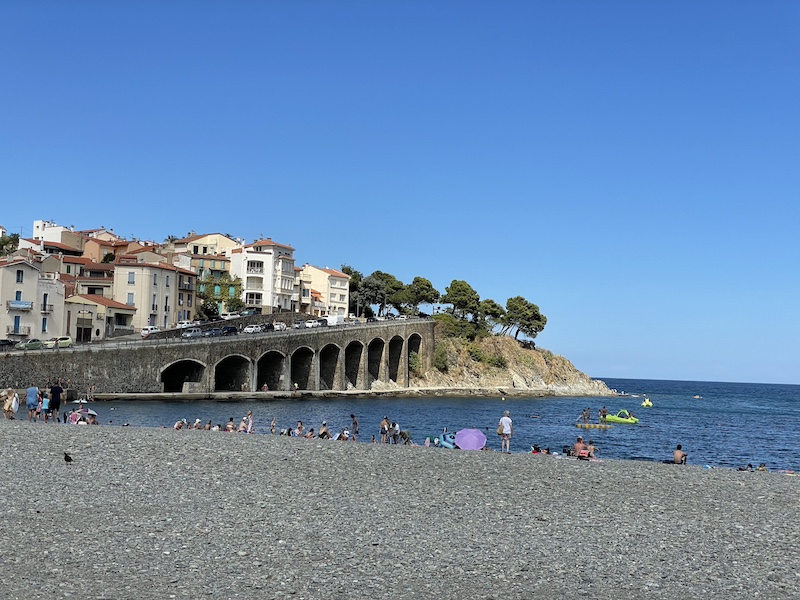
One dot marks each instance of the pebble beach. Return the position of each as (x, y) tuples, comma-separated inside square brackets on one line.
[(157, 513)]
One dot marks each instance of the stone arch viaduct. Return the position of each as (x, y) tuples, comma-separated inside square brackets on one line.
[(352, 357)]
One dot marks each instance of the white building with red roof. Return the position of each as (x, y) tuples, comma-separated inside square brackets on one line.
[(266, 269)]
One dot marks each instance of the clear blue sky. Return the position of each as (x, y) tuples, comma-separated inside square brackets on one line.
[(631, 167)]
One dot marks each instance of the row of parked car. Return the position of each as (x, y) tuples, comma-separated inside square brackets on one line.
[(63, 341)]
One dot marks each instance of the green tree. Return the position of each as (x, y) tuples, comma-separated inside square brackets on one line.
[(108, 258), (522, 317), (421, 291), (490, 313), (464, 300), (378, 288), (9, 244)]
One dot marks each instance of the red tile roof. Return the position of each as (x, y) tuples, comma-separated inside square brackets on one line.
[(103, 301)]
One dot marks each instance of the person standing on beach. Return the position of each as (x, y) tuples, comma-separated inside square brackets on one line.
[(272, 426), (354, 428), (55, 401), (8, 403), (385, 430), (32, 401), (508, 429)]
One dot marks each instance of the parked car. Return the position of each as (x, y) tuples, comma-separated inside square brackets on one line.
[(148, 329), (213, 332), (230, 330), (230, 315), (60, 342), (372, 319), (192, 332), (31, 344), (311, 323), (253, 329), (185, 324), (322, 322), (7, 344), (279, 326)]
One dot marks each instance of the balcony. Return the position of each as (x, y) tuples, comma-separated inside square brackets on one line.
[(255, 270), (46, 308), (20, 330), (153, 308), (18, 305), (187, 285)]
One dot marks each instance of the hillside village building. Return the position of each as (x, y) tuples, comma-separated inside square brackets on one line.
[(33, 300), (323, 292), (266, 269)]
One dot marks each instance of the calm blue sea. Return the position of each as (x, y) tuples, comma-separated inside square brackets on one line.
[(732, 424)]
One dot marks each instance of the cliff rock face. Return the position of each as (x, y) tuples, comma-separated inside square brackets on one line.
[(499, 362)]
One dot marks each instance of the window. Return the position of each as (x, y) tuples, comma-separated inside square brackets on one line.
[(201, 288), (341, 298), (155, 278), (130, 299), (180, 299), (131, 277), (201, 263), (305, 293), (195, 251), (231, 292), (213, 264), (188, 300), (44, 324), (20, 275), (217, 290), (69, 269), (166, 282)]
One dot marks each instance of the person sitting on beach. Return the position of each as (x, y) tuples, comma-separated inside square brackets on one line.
[(197, 424), (230, 425), (579, 449), (93, 420), (243, 425), (74, 416), (298, 431), (178, 424), (207, 426), (749, 467), (310, 435), (405, 437), (546, 451), (592, 449), (679, 456), (345, 435), (324, 434), (216, 427), (535, 449), (762, 467)]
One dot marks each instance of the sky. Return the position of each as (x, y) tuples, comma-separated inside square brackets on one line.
[(630, 167)]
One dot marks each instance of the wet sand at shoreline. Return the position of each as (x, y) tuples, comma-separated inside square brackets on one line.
[(157, 513)]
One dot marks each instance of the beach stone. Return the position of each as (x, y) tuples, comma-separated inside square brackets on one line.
[(155, 513)]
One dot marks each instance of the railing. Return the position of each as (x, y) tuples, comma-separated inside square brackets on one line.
[(255, 270), (186, 286), (18, 305), (154, 308), (47, 308), (19, 330)]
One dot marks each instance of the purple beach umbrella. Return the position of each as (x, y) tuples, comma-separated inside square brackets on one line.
[(470, 439)]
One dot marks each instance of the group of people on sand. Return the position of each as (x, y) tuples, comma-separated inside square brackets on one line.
[(245, 425), (41, 404)]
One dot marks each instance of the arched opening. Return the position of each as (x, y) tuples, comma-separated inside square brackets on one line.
[(395, 353), (352, 363), (183, 371), (414, 349), (374, 359), (270, 371), (302, 359), (231, 374), (328, 361)]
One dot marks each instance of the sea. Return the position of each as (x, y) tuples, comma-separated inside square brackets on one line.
[(719, 425)]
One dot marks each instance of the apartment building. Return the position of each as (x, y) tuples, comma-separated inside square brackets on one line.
[(266, 269), (161, 293), (322, 291), (33, 300), (92, 317)]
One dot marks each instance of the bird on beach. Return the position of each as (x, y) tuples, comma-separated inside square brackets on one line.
[(67, 458)]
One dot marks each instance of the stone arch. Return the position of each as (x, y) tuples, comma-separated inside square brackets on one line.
[(328, 364), (374, 360), (187, 370), (232, 373), (414, 348), (269, 370), (352, 363), (302, 363), (395, 357)]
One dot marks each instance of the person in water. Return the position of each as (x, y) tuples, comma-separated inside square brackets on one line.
[(679, 456)]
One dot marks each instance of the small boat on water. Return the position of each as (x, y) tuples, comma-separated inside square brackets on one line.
[(647, 403), (622, 416)]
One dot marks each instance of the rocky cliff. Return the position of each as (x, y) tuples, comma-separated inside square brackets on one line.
[(501, 364)]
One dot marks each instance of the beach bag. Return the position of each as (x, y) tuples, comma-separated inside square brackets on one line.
[(500, 429)]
